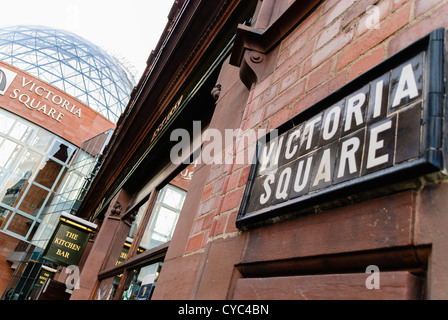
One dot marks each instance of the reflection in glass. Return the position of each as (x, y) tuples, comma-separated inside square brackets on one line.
[(18, 224), (142, 282), (10, 151), (29, 176), (42, 141), (21, 131), (5, 123)]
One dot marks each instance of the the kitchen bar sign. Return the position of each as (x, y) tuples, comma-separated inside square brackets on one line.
[(376, 134), (69, 240)]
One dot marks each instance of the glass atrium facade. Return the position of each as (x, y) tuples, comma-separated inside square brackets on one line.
[(33, 162), (70, 63)]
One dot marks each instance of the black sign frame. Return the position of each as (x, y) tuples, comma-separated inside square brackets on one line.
[(430, 166)]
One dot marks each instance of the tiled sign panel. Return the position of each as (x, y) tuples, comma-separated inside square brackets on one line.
[(375, 129)]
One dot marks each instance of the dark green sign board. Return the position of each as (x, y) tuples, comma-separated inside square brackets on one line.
[(67, 243)]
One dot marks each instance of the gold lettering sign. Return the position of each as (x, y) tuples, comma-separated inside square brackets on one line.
[(68, 243)]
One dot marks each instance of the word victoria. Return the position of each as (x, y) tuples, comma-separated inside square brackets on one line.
[(374, 128)]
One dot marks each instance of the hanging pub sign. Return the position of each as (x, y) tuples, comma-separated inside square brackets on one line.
[(381, 133), (69, 240), (44, 274)]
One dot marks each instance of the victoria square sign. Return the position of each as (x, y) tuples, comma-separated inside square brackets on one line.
[(379, 132)]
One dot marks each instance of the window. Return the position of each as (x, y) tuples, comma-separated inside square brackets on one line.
[(164, 217), (153, 227), (32, 164)]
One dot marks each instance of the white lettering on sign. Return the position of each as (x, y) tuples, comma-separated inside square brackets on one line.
[(360, 135), (51, 104)]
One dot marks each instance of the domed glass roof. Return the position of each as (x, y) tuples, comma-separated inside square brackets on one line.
[(70, 63)]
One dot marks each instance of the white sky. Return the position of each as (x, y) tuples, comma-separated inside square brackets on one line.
[(125, 28)]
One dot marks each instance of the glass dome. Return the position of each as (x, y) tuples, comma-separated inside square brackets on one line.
[(71, 64)]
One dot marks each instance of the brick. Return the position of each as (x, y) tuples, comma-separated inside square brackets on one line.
[(231, 226), (294, 61), (218, 185), (207, 206), (269, 94), (253, 120), (329, 50), (282, 57), (319, 93), (208, 221), (368, 62), (207, 192), (197, 226), (219, 225), (328, 5), (232, 181), (279, 118), (329, 33), (299, 43), (194, 243), (252, 107), (320, 75), (285, 99), (364, 23), (420, 29), (244, 176), (423, 6), (262, 86), (357, 10), (376, 36), (232, 200), (289, 80), (397, 4), (302, 28), (215, 172), (337, 11)]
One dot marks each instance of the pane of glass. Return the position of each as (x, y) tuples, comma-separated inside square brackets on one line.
[(107, 288), (49, 173), (15, 183), (42, 140), (163, 218), (4, 215), (9, 151), (21, 131), (5, 123), (173, 198), (33, 200), (45, 230), (20, 225), (164, 225), (141, 283), (138, 220), (61, 151)]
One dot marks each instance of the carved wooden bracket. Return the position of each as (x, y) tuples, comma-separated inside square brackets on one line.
[(116, 209), (252, 45)]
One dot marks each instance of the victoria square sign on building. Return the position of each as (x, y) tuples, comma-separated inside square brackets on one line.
[(382, 130)]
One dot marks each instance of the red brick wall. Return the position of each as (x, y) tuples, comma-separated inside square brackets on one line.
[(329, 49)]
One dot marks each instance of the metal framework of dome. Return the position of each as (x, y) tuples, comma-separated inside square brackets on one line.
[(70, 63)]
